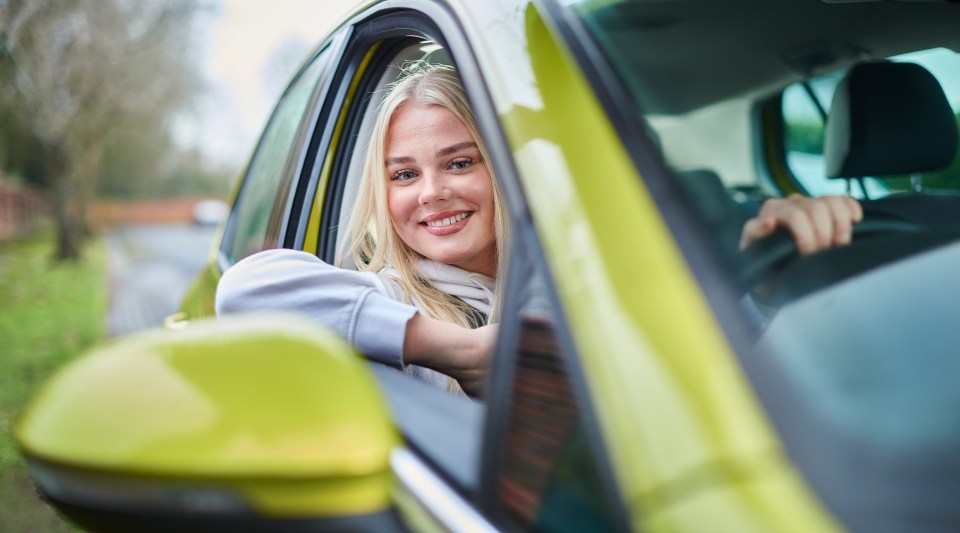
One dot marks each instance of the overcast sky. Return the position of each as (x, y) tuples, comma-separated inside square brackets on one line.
[(249, 49)]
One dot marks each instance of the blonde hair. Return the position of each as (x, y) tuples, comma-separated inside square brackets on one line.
[(373, 242)]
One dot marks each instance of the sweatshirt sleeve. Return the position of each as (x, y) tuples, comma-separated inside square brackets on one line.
[(352, 303)]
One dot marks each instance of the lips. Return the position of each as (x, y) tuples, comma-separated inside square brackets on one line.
[(446, 223)]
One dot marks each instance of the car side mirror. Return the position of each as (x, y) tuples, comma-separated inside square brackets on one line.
[(252, 422)]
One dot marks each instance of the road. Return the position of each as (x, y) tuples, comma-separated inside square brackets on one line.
[(151, 266)]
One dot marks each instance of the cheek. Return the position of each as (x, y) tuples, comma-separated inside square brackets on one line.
[(484, 196), (399, 205)]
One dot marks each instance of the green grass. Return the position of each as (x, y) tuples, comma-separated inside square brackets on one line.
[(49, 312)]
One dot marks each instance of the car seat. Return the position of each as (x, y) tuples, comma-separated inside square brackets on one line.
[(886, 119)]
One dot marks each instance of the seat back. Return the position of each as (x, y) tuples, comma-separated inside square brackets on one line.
[(888, 118)]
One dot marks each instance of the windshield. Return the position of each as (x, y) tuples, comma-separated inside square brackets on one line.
[(749, 99), (740, 98)]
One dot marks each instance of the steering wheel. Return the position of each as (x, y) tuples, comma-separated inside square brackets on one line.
[(767, 255)]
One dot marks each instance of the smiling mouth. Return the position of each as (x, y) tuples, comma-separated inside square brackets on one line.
[(449, 220)]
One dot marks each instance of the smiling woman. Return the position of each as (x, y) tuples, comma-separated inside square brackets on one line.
[(427, 232)]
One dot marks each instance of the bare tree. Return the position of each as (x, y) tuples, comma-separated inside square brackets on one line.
[(75, 69)]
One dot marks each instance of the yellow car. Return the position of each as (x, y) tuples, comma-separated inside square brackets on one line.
[(649, 375)]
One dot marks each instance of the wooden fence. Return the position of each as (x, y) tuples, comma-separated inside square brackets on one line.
[(22, 209)]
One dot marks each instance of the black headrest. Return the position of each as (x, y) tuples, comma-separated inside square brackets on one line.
[(888, 118)]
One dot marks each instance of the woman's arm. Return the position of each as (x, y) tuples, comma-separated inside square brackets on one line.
[(459, 352), (352, 303), (355, 305), (816, 223)]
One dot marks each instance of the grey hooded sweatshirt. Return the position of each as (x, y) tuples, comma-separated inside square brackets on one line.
[(365, 308)]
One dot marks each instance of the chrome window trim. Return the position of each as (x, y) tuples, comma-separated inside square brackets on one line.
[(439, 500)]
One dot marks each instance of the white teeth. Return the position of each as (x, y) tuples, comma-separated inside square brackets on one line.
[(447, 221)]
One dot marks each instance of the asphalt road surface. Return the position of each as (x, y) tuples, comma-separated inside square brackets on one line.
[(151, 266)]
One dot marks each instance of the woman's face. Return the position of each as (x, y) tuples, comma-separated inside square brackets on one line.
[(439, 192)]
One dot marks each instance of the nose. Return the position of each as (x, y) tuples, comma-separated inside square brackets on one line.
[(433, 188)]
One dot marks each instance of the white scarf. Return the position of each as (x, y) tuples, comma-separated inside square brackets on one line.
[(473, 288)]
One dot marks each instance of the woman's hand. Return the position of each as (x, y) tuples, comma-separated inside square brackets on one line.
[(461, 353), (815, 223)]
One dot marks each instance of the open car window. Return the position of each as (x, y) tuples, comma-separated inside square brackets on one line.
[(443, 430)]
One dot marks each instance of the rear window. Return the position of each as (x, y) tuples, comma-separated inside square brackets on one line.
[(805, 104)]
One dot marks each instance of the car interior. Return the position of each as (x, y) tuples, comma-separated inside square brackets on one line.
[(811, 97)]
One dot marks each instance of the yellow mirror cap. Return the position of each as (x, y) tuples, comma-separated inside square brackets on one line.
[(268, 396)]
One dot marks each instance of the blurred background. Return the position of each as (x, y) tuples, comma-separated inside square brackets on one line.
[(124, 126)]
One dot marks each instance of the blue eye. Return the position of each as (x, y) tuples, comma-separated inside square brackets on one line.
[(460, 164), (403, 175)]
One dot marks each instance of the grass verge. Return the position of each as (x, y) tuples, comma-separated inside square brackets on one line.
[(49, 312)]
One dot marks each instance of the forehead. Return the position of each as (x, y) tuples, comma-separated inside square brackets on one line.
[(416, 125)]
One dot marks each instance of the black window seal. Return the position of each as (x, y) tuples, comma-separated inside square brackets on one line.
[(311, 140), (771, 146), (366, 38)]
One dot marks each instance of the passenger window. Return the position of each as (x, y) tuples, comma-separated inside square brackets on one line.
[(805, 107), (263, 195), (549, 478)]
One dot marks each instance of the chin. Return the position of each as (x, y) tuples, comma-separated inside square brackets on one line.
[(454, 259)]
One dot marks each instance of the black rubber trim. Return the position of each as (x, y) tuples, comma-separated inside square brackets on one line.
[(773, 155), (330, 212), (312, 141)]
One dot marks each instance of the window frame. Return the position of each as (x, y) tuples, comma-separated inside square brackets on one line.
[(381, 32), (294, 165)]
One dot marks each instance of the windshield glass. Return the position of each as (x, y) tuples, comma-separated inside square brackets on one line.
[(751, 99), (739, 97)]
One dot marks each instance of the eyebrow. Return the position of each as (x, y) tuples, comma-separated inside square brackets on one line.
[(402, 160), (456, 148), (398, 161)]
